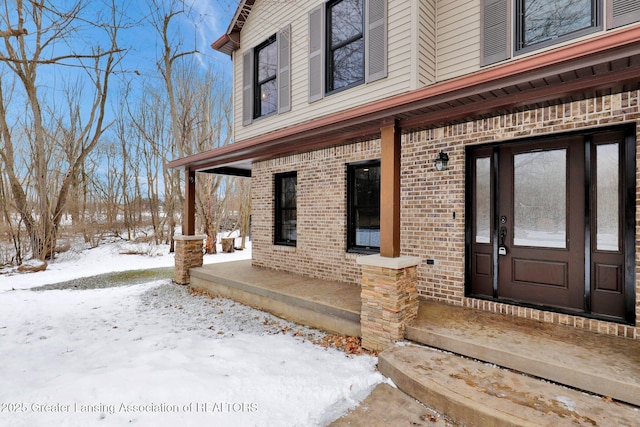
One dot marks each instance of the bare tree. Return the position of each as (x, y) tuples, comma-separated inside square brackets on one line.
[(200, 119), (35, 33)]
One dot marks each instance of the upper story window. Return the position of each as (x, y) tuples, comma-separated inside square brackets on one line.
[(363, 214), (345, 44), (266, 77), (511, 27), (286, 210), (543, 22), (265, 85)]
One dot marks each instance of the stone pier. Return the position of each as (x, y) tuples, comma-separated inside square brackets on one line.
[(389, 299), (189, 254)]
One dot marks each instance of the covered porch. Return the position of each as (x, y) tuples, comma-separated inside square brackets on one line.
[(330, 306)]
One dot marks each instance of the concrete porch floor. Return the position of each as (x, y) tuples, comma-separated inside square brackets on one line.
[(600, 364), (321, 304)]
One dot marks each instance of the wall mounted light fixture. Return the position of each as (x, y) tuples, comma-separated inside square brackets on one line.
[(442, 161)]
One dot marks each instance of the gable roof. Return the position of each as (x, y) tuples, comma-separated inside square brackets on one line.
[(230, 41)]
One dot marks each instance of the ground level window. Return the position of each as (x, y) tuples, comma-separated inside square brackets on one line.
[(286, 212), (363, 234)]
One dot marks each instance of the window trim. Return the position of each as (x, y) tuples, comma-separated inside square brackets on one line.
[(278, 209), (376, 47), (518, 29), (352, 247), (499, 35), (329, 49), (282, 78), (257, 84)]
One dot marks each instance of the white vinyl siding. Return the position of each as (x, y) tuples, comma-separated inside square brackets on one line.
[(426, 49), (458, 40), (267, 18)]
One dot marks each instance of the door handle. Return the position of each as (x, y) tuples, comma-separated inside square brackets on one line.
[(502, 249)]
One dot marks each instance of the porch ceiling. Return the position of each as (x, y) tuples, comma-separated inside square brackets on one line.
[(606, 64)]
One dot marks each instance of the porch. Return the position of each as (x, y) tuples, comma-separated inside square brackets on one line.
[(330, 306), (603, 365)]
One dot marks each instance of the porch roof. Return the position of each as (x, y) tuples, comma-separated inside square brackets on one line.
[(609, 63)]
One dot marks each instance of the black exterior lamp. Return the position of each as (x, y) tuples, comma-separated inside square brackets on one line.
[(442, 161)]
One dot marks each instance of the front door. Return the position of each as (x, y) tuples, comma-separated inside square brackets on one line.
[(548, 224)]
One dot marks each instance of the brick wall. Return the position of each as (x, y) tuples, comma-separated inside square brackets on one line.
[(429, 199), (321, 217)]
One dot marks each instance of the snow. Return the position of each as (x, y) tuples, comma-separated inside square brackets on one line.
[(118, 255), (153, 354)]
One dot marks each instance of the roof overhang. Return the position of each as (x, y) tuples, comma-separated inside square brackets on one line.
[(609, 63), (229, 42)]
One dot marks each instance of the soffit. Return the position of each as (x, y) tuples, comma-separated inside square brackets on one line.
[(599, 66), (230, 41)]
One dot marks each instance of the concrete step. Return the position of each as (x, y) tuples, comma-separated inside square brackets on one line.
[(600, 364), (387, 406), (478, 394)]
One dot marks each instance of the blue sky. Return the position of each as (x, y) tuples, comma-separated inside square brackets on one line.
[(201, 24)]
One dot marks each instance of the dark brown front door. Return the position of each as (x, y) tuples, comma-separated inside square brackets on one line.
[(541, 240), (548, 223)]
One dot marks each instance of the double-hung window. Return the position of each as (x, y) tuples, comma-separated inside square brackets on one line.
[(511, 27), (266, 77), (265, 86), (543, 22), (286, 212), (363, 214), (347, 45)]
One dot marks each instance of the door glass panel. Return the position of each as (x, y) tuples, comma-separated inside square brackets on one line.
[(483, 200), (607, 193), (540, 199)]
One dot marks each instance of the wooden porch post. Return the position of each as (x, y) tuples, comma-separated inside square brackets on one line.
[(389, 294), (189, 214), (390, 192), (188, 245)]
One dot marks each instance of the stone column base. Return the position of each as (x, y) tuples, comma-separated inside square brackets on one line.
[(188, 254), (389, 299)]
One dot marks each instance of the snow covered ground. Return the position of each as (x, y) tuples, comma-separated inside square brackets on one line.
[(153, 354)]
